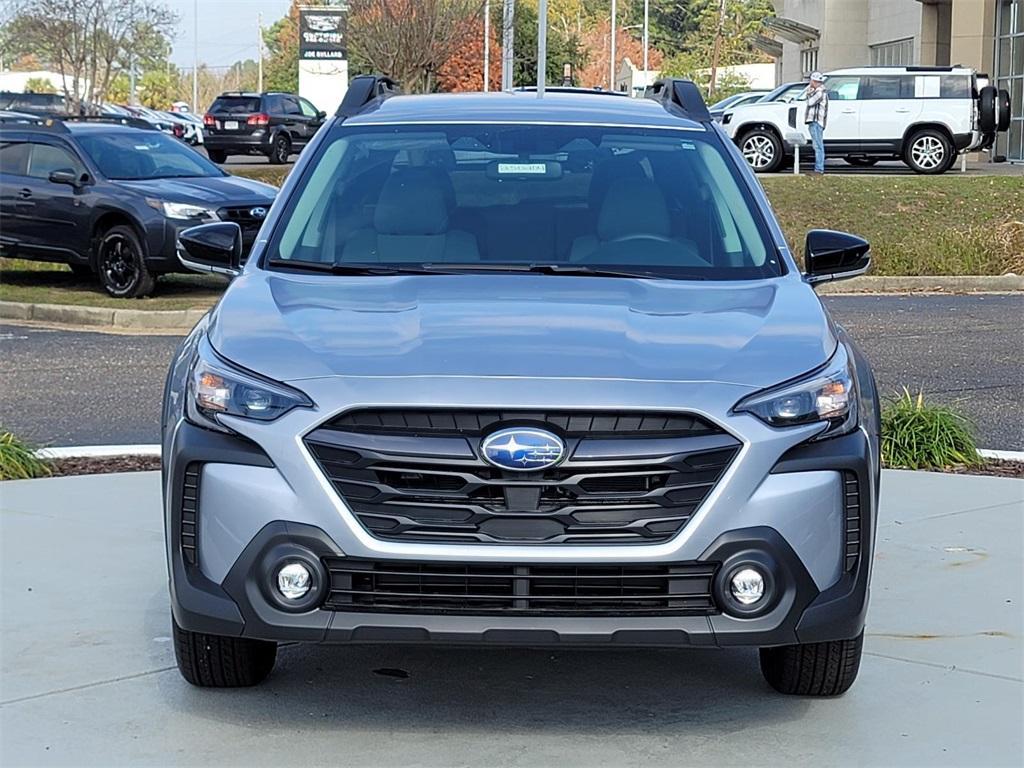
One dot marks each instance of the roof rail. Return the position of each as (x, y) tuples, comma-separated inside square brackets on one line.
[(681, 95), (132, 122), (571, 89), (364, 90)]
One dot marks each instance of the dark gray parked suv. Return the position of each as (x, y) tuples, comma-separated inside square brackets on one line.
[(517, 370), (272, 124)]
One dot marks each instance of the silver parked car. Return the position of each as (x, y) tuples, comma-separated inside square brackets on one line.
[(514, 370)]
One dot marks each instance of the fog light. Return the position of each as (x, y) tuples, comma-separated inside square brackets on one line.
[(747, 586), (294, 581)]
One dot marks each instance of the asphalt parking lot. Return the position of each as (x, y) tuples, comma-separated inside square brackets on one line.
[(87, 671), (82, 388)]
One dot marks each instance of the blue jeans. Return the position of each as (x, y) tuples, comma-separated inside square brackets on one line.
[(818, 139)]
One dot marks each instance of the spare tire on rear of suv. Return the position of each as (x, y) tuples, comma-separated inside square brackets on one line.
[(987, 108), (1003, 110)]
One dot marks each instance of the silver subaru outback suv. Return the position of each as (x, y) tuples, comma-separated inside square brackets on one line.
[(521, 369)]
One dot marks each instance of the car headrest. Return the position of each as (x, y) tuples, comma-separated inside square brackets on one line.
[(411, 203), (609, 172), (633, 207)]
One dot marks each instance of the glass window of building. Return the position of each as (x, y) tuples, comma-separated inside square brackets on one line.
[(897, 53), (1010, 74)]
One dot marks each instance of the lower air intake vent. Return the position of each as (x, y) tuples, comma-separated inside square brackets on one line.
[(851, 503), (568, 590), (190, 513)]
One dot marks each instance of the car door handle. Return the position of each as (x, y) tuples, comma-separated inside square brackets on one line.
[(849, 111), (25, 194), (902, 110)]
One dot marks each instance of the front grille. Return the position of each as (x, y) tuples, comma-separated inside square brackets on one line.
[(422, 479), (249, 224), (508, 589), (190, 513), (851, 502)]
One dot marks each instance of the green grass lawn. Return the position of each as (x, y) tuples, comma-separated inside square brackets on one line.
[(945, 225)]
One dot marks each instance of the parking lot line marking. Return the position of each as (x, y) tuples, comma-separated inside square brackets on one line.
[(84, 686), (946, 667)]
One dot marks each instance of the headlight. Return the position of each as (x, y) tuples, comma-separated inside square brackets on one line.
[(183, 211), (216, 387), (828, 395)]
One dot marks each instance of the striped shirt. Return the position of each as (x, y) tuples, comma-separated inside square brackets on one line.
[(817, 106)]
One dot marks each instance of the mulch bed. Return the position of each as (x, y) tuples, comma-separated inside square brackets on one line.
[(147, 463), (104, 465)]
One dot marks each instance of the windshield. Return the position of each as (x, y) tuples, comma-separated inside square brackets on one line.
[(136, 155), (665, 202)]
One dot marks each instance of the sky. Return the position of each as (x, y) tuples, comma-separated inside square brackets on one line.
[(227, 29)]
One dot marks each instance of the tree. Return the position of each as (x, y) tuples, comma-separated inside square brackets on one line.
[(410, 40), (597, 41), (39, 85), (464, 70), (89, 41), (281, 68), (563, 46)]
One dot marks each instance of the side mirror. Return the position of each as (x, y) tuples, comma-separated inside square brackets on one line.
[(832, 255), (321, 115), (212, 248), (69, 177)]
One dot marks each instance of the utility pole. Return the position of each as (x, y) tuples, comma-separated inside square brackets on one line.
[(487, 45), (542, 46), (647, 39), (508, 17), (259, 52), (195, 55), (716, 52), (611, 62), (131, 80)]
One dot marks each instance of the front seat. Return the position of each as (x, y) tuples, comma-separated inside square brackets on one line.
[(634, 227), (410, 224)]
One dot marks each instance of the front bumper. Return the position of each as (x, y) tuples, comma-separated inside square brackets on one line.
[(252, 512)]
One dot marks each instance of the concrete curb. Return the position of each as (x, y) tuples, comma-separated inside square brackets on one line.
[(153, 449), (102, 317), (938, 284), (185, 319)]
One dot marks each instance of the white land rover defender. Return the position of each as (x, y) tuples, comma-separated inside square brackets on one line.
[(924, 116)]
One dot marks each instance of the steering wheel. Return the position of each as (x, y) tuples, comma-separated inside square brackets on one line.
[(638, 236)]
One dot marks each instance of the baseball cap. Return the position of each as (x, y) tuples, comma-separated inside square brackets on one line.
[(818, 77)]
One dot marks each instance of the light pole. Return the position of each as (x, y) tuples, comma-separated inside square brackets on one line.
[(195, 55), (259, 52), (508, 16), (486, 46), (611, 62), (542, 46), (647, 27)]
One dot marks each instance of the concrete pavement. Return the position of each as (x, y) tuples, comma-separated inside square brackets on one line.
[(87, 672)]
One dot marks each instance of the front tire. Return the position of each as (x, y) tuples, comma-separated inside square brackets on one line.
[(280, 150), (121, 264), (928, 151), (813, 669), (214, 661), (762, 150)]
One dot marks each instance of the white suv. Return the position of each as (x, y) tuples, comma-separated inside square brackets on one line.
[(923, 116)]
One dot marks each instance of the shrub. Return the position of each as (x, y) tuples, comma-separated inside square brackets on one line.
[(18, 461), (918, 435)]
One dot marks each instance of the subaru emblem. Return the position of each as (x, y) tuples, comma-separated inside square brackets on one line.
[(258, 213), (521, 449)]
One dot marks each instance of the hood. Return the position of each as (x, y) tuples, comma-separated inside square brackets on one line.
[(291, 327), (210, 191)]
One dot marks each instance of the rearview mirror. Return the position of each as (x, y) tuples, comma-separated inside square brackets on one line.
[(832, 255), (213, 248)]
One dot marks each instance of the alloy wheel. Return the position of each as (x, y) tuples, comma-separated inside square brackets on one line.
[(759, 151), (927, 152), (118, 263)]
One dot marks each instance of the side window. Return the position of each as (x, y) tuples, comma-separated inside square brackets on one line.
[(843, 88), (291, 106), (13, 157), (271, 105), (308, 109), (882, 87), (46, 158), (959, 86)]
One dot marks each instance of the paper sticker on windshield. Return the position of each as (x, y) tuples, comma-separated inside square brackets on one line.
[(519, 169), (687, 145)]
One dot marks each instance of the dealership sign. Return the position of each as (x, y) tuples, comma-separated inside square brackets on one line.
[(322, 33)]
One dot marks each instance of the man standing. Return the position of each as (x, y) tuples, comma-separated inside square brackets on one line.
[(816, 117)]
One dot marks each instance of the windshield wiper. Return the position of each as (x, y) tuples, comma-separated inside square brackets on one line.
[(559, 269), (350, 269)]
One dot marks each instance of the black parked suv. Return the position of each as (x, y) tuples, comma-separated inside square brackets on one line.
[(272, 124), (109, 196)]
